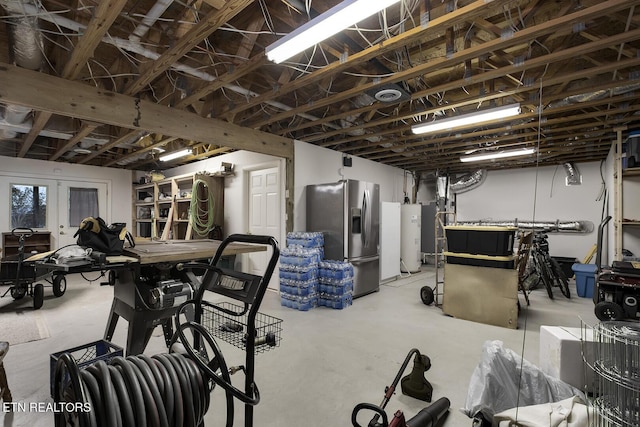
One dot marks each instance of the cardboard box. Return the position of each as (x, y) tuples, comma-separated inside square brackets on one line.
[(481, 294), (561, 355)]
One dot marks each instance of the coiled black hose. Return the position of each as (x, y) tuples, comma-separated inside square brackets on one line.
[(164, 390)]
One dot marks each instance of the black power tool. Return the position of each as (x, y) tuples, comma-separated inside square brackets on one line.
[(414, 385)]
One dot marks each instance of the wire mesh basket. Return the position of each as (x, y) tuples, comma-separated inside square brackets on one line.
[(617, 374), (233, 329)]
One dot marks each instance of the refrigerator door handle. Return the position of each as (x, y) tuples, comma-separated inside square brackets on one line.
[(365, 218)]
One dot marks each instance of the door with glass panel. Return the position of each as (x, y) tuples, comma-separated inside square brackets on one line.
[(76, 201)]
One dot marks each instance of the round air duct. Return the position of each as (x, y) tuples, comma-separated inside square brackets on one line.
[(388, 95)]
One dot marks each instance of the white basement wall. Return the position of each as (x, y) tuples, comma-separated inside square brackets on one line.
[(318, 165), (236, 187), (540, 194), (313, 165), (17, 170)]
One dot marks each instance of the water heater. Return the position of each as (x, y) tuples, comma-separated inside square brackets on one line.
[(410, 219)]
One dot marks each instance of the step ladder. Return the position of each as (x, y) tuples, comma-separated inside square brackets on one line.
[(442, 219)]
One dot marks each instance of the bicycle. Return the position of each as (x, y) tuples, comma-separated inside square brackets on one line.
[(544, 269)]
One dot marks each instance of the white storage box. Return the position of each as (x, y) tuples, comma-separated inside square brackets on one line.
[(561, 355)]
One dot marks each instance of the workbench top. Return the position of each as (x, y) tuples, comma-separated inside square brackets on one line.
[(157, 251)]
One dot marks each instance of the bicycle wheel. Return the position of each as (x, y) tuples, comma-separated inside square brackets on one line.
[(560, 279), (543, 272)]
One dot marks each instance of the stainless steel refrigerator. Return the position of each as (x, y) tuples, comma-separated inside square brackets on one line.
[(348, 213)]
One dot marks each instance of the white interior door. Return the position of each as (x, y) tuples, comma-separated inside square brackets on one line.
[(264, 215), (76, 201)]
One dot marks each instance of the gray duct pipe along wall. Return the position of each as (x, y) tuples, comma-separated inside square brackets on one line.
[(468, 182), (549, 226), (26, 51)]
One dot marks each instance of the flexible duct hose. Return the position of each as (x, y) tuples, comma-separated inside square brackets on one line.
[(164, 390)]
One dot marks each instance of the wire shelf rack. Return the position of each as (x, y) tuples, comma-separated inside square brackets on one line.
[(233, 328)]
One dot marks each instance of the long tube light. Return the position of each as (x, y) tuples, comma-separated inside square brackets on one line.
[(467, 119), (175, 155), (498, 155), (336, 19)]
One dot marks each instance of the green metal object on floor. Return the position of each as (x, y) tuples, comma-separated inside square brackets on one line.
[(415, 384)]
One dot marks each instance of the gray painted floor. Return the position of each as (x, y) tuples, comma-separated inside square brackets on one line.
[(327, 362)]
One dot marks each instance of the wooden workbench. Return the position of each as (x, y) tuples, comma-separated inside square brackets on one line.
[(161, 251)]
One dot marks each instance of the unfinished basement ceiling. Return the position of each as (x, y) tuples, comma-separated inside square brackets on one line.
[(120, 81)]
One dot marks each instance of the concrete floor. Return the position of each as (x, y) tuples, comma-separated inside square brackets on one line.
[(327, 362)]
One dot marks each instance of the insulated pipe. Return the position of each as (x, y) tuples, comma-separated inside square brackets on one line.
[(468, 182), (26, 50), (550, 226), (573, 175), (149, 19)]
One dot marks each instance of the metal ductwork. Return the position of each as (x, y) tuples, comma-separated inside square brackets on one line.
[(548, 226), (468, 182), (592, 96), (26, 52), (573, 175)]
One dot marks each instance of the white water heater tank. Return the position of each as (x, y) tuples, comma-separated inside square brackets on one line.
[(410, 219)]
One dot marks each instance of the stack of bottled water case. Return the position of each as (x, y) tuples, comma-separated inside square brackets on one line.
[(335, 284), (299, 270)]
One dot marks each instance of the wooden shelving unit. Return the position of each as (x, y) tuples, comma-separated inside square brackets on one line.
[(40, 241), (169, 201), (626, 212)]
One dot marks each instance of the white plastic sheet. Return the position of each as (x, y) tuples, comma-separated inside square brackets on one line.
[(503, 380)]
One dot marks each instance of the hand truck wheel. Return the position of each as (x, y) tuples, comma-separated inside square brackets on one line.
[(426, 295)]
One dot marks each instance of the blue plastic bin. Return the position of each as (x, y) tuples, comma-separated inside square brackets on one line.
[(585, 279)]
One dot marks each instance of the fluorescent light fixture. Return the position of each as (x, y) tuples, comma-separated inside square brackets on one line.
[(336, 19), (498, 155), (175, 155), (467, 119)]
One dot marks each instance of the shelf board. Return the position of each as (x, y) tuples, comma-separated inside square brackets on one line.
[(631, 222), (631, 172), (144, 204), (143, 220), (144, 186)]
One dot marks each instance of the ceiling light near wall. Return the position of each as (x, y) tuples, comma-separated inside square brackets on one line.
[(336, 19), (498, 155), (175, 155), (467, 119)]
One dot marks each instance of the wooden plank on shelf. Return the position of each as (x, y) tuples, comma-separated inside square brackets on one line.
[(169, 224)]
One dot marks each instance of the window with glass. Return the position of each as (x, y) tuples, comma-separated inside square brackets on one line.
[(83, 202), (28, 206)]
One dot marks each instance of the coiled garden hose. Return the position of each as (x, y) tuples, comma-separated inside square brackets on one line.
[(164, 390), (201, 217)]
